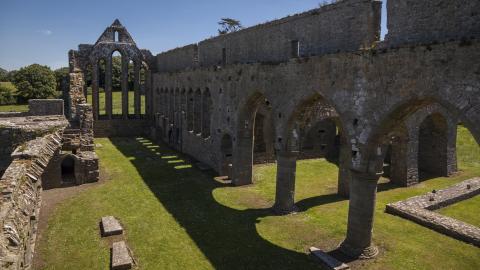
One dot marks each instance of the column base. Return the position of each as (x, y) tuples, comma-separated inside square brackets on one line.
[(283, 211), (359, 253)]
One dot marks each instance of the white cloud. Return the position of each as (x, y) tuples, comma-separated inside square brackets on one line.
[(45, 32)]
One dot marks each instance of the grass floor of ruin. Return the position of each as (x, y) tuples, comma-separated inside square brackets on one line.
[(116, 104), (177, 217)]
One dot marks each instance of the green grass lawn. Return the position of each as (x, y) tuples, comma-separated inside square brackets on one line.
[(117, 102), (14, 108), (463, 211), (177, 217)]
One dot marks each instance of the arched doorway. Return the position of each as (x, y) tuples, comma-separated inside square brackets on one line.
[(68, 170), (432, 147)]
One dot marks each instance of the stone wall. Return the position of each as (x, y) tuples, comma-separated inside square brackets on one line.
[(178, 59), (121, 127), (45, 107), (347, 25), (20, 188), (428, 21)]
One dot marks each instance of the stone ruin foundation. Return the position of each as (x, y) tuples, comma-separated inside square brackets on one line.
[(32, 148)]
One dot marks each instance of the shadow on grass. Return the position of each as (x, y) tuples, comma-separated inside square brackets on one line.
[(226, 236)]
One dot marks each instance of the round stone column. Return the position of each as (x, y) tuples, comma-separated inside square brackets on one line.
[(363, 190), (285, 189)]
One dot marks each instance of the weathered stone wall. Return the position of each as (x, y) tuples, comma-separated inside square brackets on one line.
[(121, 127), (20, 188), (347, 25), (178, 59), (428, 21), (343, 86), (45, 107)]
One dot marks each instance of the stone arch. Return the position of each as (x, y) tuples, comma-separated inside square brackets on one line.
[(206, 113), (100, 94), (402, 155), (263, 142), (307, 112), (197, 108), (67, 169), (190, 110), (244, 140), (368, 168), (117, 77), (226, 150)]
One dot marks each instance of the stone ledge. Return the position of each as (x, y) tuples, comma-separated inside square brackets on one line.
[(419, 209), (110, 226), (121, 258)]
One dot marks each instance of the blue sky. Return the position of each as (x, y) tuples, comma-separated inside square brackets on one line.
[(42, 31)]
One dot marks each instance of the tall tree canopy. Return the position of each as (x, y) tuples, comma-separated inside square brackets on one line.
[(229, 25), (35, 81)]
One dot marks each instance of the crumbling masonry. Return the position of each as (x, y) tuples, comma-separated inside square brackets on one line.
[(40, 149), (320, 83)]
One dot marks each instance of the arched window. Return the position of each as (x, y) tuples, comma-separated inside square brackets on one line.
[(116, 37), (117, 78), (197, 108), (206, 113), (101, 87), (190, 110), (131, 88)]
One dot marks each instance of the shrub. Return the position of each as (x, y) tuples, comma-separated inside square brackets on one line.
[(7, 94), (35, 81)]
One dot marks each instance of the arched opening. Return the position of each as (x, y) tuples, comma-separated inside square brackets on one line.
[(206, 113), (101, 88), (143, 88), (246, 136), (314, 131), (432, 147), (117, 78), (68, 169), (131, 87), (263, 134), (116, 37), (171, 106), (197, 107), (190, 110), (226, 147)]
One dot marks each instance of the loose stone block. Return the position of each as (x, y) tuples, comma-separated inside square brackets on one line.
[(121, 258), (111, 226), (328, 260)]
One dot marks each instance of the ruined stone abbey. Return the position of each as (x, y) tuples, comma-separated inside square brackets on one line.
[(316, 84)]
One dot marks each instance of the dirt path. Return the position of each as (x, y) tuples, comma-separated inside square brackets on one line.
[(51, 199)]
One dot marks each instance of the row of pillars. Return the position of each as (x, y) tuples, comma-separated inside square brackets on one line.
[(108, 89)]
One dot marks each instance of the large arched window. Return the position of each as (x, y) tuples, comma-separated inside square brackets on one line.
[(190, 110), (117, 78), (206, 113), (197, 108)]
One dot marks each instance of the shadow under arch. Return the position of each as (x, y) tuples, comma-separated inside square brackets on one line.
[(227, 237)]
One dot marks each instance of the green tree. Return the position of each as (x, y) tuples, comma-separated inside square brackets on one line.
[(3, 75), (7, 95), (61, 74), (35, 81), (229, 25)]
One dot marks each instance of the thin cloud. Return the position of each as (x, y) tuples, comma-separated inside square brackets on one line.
[(45, 32)]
